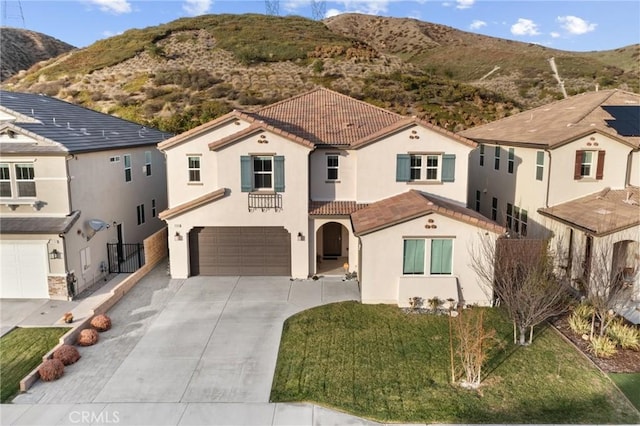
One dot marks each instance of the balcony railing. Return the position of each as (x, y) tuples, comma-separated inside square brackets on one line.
[(264, 201)]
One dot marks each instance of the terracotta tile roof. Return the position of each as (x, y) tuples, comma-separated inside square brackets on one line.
[(192, 204), (334, 208), (612, 112), (203, 128), (413, 204), (600, 214), (255, 128), (325, 117), (38, 225)]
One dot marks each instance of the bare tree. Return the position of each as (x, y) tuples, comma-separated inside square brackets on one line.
[(519, 275), (606, 283), (472, 345)]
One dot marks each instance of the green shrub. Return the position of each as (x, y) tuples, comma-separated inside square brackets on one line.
[(583, 310), (625, 336), (578, 323), (602, 347)]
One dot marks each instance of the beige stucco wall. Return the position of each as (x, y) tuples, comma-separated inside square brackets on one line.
[(99, 191), (179, 189), (564, 187), (376, 170), (344, 189), (382, 261), (634, 169), (349, 243), (232, 210), (50, 175)]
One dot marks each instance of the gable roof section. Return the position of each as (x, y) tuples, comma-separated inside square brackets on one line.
[(254, 128), (409, 122), (413, 204), (325, 117), (76, 128), (599, 214), (192, 204), (613, 113)]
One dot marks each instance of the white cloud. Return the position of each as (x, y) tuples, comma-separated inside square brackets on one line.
[(367, 7), (113, 6), (575, 25), (196, 7), (555, 34), (464, 4), (333, 12), (477, 24), (108, 33), (525, 27)]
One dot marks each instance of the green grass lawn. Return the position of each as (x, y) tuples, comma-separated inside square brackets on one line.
[(377, 362), (20, 352), (629, 383)]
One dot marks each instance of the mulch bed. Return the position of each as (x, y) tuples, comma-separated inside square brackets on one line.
[(625, 361)]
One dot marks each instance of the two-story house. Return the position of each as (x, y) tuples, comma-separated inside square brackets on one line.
[(570, 170), (323, 179), (71, 181)]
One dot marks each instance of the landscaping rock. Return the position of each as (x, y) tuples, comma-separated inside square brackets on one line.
[(88, 337), (67, 354), (51, 369), (101, 322)]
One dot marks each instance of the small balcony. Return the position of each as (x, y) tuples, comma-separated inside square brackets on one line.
[(264, 201)]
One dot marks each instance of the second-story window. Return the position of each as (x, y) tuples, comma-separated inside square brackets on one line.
[(332, 166), (496, 160), (5, 180), (511, 160), (193, 163), (478, 195), (147, 163), (25, 180), (589, 165), (539, 165), (494, 208), (262, 173), (140, 213), (127, 168), (482, 155), (425, 167)]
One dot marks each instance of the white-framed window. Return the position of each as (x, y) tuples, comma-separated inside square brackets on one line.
[(478, 195), (427, 167), (114, 159), (17, 180), (127, 167), (589, 165), (429, 163), (262, 173), (482, 155), (539, 165), (153, 208), (511, 160), (517, 219), (333, 163), (147, 163), (193, 166), (509, 215), (415, 256), (496, 159), (494, 208), (416, 167), (140, 213)]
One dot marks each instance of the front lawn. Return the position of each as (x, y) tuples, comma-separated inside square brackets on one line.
[(629, 383), (20, 352), (378, 362)]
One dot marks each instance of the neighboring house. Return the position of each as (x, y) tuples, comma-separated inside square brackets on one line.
[(570, 170), (71, 181), (274, 192)]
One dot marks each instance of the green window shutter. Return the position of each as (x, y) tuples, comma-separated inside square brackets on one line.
[(403, 165), (413, 260), (441, 257), (448, 167), (245, 173), (278, 168)]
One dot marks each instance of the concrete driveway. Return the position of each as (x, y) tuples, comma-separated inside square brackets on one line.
[(178, 344)]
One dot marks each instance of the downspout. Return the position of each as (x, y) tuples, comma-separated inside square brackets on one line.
[(546, 198), (627, 177), (70, 282)]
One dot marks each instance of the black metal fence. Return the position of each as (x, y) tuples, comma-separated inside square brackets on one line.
[(125, 258)]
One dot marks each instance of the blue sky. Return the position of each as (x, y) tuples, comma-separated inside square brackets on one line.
[(561, 24)]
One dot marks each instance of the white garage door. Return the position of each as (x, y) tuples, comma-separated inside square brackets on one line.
[(23, 270)]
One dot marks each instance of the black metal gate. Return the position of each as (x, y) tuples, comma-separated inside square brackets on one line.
[(125, 258)]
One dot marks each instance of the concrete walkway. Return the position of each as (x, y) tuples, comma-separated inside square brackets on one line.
[(182, 352)]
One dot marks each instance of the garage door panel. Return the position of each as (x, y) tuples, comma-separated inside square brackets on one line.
[(240, 251), (23, 271)]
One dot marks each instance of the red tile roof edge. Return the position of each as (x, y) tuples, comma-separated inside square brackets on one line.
[(192, 204), (256, 127)]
